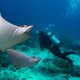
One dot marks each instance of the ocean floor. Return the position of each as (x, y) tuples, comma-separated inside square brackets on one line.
[(49, 68)]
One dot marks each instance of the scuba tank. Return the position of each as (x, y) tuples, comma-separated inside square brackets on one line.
[(53, 38)]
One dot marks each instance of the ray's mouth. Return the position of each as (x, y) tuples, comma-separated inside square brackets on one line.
[(29, 28), (36, 57)]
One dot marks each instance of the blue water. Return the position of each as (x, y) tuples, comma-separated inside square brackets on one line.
[(59, 16), (62, 17)]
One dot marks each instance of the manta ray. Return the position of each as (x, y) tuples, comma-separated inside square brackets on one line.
[(11, 35)]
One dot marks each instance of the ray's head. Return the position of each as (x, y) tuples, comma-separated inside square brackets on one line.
[(34, 60), (28, 28)]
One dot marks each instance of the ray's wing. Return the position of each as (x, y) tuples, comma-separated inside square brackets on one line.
[(6, 32), (11, 35), (18, 59), (6, 23)]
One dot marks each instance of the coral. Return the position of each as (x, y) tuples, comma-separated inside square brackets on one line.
[(8, 75), (4, 60), (50, 67)]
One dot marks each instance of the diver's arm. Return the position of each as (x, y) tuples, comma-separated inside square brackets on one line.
[(70, 52)]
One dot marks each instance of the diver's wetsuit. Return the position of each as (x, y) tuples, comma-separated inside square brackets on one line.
[(46, 42)]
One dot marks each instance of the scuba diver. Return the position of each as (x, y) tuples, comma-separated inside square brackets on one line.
[(49, 41)]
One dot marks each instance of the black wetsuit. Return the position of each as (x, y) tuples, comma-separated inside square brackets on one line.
[(46, 42)]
